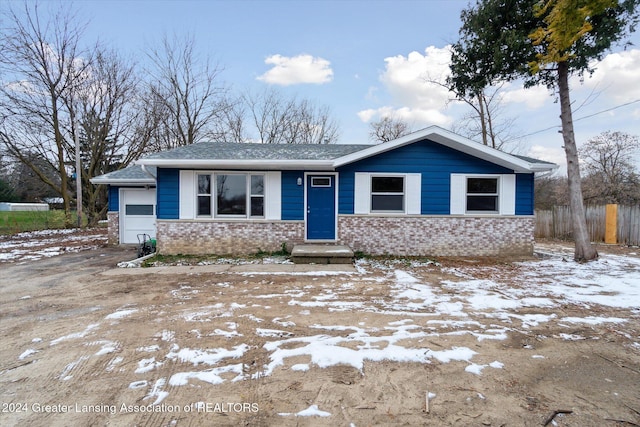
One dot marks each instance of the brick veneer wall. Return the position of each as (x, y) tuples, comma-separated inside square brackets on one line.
[(226, 237), (382, 235), (438, 235), (113, 228)]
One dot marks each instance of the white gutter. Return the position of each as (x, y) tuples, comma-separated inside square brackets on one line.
[(268, 164), (123, 181)]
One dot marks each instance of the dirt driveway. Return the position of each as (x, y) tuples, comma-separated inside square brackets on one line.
[(491, 344)]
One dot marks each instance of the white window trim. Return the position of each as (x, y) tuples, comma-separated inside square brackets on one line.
[(188, 197), (188, 194), (412, 193), (404, 193), (496, 194), (251, 195), (273, 195), (211, 194), (506, 194)]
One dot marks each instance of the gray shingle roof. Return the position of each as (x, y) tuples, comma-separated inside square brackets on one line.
[(251, 156), (235, 151), (132, 174), (532, 160)]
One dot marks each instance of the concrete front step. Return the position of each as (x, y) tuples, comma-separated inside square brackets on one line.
[(322, 254)]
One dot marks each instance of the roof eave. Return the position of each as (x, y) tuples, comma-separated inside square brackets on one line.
[(123, 181), (543, 167), (262, 164)]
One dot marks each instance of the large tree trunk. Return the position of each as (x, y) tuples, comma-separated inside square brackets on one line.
[(584, 250)]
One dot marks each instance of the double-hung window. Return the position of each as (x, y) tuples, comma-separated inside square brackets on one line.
[(204, 195), (257, 196), (237, 195), (387, 194), (482, 195)]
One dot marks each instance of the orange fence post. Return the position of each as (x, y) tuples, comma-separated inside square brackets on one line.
[(611, 224)]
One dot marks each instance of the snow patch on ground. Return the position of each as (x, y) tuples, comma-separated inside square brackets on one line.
[(485, 306)]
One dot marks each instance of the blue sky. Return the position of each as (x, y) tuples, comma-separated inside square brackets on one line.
[(363, 59)]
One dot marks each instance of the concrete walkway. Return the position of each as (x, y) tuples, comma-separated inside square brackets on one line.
[(302, 269)]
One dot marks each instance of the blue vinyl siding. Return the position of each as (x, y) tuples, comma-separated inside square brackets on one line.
[(434, 161), (524, 194), (114, 198), (292, 195), (168, 193), (346, 193)]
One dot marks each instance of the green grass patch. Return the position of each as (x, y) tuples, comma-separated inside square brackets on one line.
[(12, 222)]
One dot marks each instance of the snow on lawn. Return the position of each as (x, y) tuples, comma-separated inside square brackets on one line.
[(418, 311), (311, 411), (612, 280), (35, 245)]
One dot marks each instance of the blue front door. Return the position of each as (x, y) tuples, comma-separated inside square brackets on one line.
[(321, 207)]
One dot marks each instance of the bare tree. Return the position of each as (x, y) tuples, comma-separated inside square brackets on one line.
[(279, 120), (487, 121), (185, 94), (550, 190), (232, 125), (104, 105), (611, 172), (43, 62), (388, 128)]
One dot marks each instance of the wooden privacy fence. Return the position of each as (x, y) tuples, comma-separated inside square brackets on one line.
[(557, 223)]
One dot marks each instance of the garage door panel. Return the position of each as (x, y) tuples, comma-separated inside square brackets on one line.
[(138, 214)]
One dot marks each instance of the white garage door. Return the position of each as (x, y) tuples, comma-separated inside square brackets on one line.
[(137, 214)]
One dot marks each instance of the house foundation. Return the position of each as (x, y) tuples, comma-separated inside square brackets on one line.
[(226, 237), (374, 235), (438, 235), (113, 224)]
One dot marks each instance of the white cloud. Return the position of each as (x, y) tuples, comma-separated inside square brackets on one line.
[(23, 86), (549, 154), (415, 117), (406, 78), (618, 76), (372, 94), (534, 97), (368, 115), (297, 70), (416, 101)]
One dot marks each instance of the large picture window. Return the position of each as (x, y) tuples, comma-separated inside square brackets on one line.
[(482, 195), (387, 194), (232, 195)]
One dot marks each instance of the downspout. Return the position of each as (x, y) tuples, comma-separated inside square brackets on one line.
[(144, 169)]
